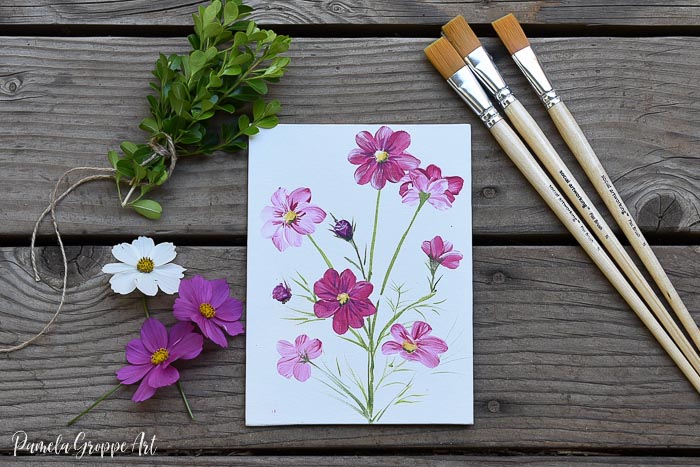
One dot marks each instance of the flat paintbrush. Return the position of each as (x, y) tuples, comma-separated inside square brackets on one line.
[(470, 48), (512, 35), (451, 66)]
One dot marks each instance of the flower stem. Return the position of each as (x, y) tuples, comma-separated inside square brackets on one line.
[(145, 306), (184, 399), (374, 235), (95, 404), (325, 258), (398, 247), (359, 260)]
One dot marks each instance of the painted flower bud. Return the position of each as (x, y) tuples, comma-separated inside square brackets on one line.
[(343, 229), (282, 292)]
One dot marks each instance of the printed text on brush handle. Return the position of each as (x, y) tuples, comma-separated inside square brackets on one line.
[(574, 218), (616, 197), (583, 204)]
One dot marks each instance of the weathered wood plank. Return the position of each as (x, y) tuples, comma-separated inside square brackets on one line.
[(559, 362), (66, 102), (359, 12)]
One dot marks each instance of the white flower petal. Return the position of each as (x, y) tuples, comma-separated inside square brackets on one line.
[(163, 253), (172, 269), (124, 282), (167, 282), (116, 268), (126, 253), (146, 283), (143, 246)]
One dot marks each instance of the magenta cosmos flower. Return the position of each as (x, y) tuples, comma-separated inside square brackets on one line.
[(382, 157), (296, 357), (417, 345), (441, 252), (441, 191), (343, 298), (290, 217), (210, 306), (151, 356)]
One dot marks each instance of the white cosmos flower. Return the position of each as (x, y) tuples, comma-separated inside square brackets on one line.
[(146, 266)]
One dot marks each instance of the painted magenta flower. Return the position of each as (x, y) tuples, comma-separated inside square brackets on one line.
[(441, 252), (417, 346), (291, 217), (429, 184), (210, 306), (343, 229), (343, 298), (296, 357), (144, 266), (382, 158), (151, 356), (282, 292)]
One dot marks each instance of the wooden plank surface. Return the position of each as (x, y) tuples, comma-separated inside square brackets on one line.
[(66, 101), (359, 12), (559, 362)]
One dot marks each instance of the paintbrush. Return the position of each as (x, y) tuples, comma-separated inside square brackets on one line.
[(458, 75), (479, 61), (512, 35)]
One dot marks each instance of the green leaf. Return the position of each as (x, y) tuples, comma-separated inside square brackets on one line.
[(197, 61), (230, 12), (128, 148), (258, 86), (258, 109), (243, 122), (269, 122), (148, 124), (113, 157), (125, 169), (148, 208), (233, 70)]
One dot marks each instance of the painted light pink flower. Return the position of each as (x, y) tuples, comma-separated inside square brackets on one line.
[(151, 356), (296, 357), (441, 252), (343, 298), (210, 306), (382, 158), (417, 345), (291, 217), (429, 182)]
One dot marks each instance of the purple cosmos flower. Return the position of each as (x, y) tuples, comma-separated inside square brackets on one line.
[(440, 252), (440, 191), (290, 217), (382, 157), (343, 229), (343, 298), (151, 356), (282, 292), (209, 305), (417, 345), (296, 357)]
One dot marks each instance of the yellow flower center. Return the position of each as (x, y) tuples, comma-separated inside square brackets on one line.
[(207, 310), (343, 298), (290, 217), (409, 347), (145, 265), (159, 356), (381, 156)]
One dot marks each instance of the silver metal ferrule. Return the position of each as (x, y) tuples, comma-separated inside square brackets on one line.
[(471, 92), (532, 69), (485, 70)]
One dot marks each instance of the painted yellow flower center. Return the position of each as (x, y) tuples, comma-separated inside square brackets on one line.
[(207, 310), (409, 347), (159, 356), (343, 298), (290, 217), (145, 265), (381, 156)]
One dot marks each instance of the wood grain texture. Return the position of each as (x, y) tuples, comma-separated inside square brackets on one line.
[(67, 101), (559, 363), (359, 12)]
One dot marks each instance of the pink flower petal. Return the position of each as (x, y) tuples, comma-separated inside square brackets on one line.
[(327, 288), (392, 171), (358, 156), (143, 392), (420, 329), (398, 142), (439, 201), (300, 195), (230, 310), (314, 213), (184, 310), (437, 247), (340, 321), (361, 290), (455, 184), (286, 349), (433, 171), (154, 335), (313, 349), (378, 179), (406, 161), (215, 334), (301, 371), (326, 308), (347, 280), (433, 344), (285, 365), (428, 359), (136, 353), (426, 247), (291, 237), (220, 292), (399, 333), (362, 307), (279, 240), (366, 141), (279, 198), (232, 329), (300, 342), (131, 374), (162, 376), (303, 225), (451, 260), (382, 137), (365, 172), (391, 347), (353, 314), (403, 189), (185, 343)]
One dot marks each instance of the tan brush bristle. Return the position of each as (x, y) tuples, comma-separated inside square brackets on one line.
[(511, 33), (461, 36), (444, 57)]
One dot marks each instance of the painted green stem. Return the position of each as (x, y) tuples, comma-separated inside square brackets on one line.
[(95, 404), (374, 235), (325, 258), (359, 260)]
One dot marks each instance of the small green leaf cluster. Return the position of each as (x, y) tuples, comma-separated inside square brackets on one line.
[(227, 72)]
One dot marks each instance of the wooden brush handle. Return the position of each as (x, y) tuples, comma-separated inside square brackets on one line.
[(588, 159), (521, 157), (560, 173)]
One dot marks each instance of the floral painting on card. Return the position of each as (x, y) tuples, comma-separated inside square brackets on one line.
[(359, 275)]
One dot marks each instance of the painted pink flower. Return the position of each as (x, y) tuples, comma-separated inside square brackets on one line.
[(296, 357), (152, 354), (343, 298), (382, 158), (417, 345), (429, 182), (290, 217), (441, 252), (210, 306)]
